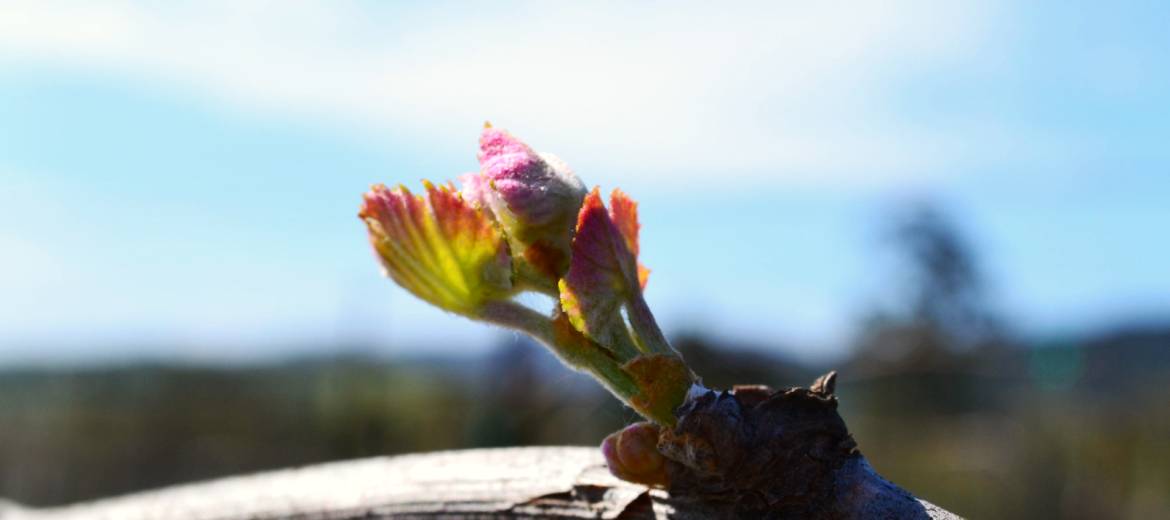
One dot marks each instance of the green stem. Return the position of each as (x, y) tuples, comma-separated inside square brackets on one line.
[(512, 315), (529, 279), (645, 328), (584, 354)]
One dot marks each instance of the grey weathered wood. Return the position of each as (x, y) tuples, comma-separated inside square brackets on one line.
[(495, 483), (484, 484)]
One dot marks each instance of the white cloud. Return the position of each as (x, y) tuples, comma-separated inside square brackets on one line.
[(752, 90)]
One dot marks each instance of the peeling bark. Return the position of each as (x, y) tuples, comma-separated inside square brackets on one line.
[(495, 483)]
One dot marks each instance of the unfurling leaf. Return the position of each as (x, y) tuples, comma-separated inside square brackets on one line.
[(440, 248), (624, 212), (601, 277), (604, 279)]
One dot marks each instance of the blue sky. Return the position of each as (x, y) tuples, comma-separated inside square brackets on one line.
[(179, 181)]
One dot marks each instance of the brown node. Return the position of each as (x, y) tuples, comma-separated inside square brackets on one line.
[(765, 454)]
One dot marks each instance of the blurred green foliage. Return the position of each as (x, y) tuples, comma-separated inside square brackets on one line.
[(73, 435)]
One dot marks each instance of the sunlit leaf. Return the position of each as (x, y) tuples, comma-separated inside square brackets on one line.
[(440, 248), (602, 275), (624, 212)]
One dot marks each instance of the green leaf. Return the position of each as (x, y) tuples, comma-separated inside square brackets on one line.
[(440, 248)]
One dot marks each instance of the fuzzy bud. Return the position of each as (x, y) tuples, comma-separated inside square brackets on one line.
[(632, 455), (535, 198)]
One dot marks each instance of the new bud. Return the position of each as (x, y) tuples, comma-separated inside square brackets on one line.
[(632, 455), (534, 196)]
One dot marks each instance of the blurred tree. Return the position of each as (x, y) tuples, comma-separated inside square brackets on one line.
[(513, 398), (725, 366), (939, 307)]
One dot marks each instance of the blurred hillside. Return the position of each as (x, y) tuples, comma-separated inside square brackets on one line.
[(940, 395), (1076, 430)]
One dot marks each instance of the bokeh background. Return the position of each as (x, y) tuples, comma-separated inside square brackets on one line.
[(963, 207)]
